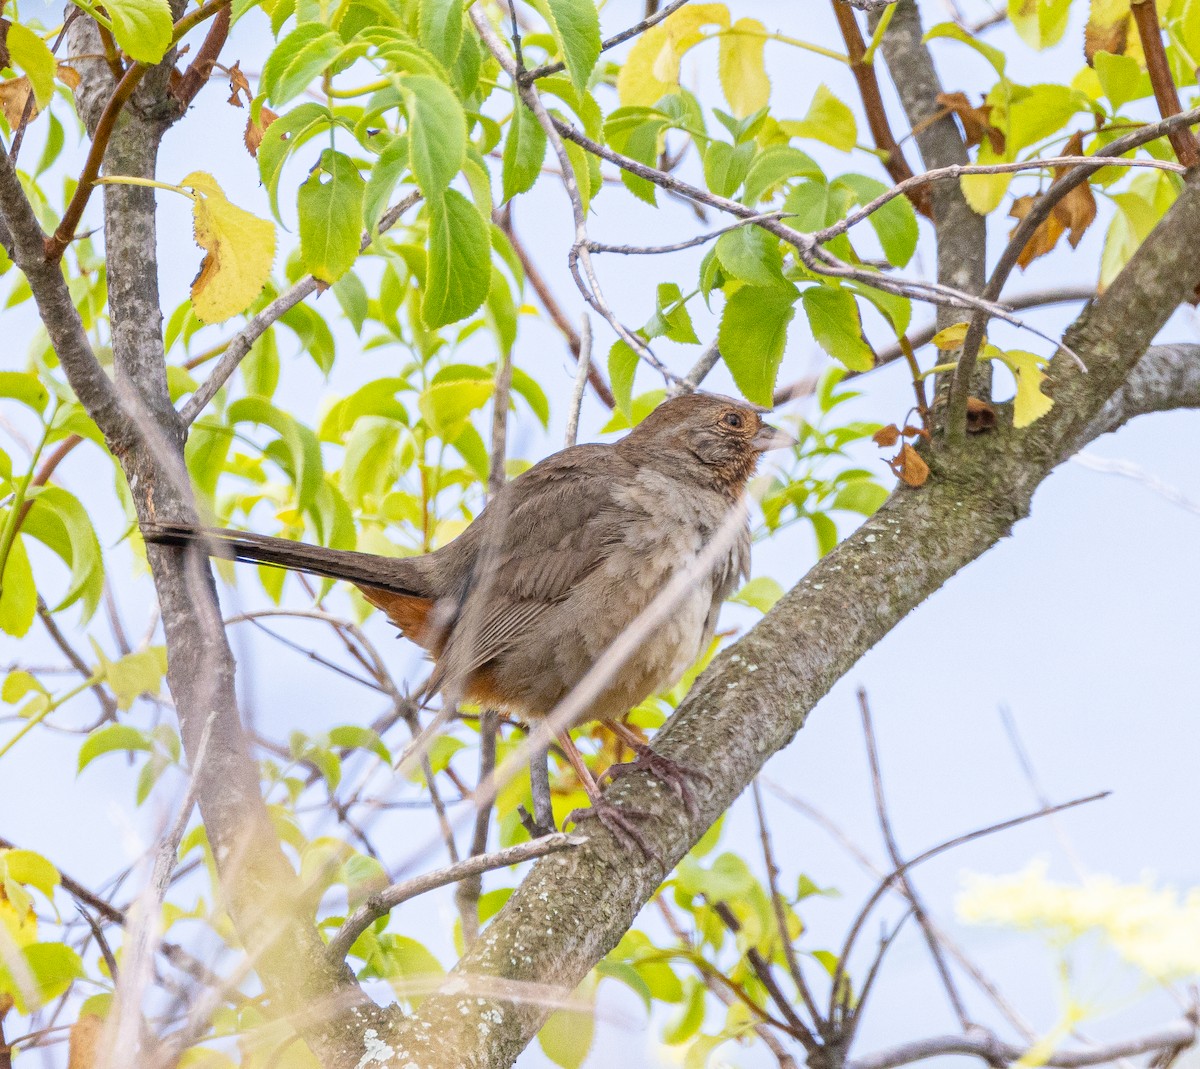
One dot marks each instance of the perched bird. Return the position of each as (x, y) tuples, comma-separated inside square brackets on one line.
[(518, 608)]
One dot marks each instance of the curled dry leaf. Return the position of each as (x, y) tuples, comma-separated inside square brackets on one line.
[(1074, 213), (256, 130), (1110, 29), (980, 416), (239, 247), (886, 437), (909, 466), (68, 75), (14, 94), (976, 121), (238, 85)]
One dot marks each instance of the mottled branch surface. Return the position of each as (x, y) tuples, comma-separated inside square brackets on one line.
[(573, 908)]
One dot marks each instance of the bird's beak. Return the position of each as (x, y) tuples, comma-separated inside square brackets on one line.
[(769, 437)]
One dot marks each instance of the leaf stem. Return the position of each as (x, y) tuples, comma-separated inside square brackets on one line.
[(56, 703)]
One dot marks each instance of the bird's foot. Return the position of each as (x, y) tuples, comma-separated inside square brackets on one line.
[(620, 820), (537, 829), (674, 774)]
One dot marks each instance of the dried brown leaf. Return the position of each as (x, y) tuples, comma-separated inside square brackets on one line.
[(976, 121), (909, 466), (1075, 212), (69, 76), (886, 437), (255, 132), (238, 85), (5, 58), (980, 416), (13, 94)]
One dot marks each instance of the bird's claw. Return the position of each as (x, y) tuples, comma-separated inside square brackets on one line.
[(673, 773), (620, 820)]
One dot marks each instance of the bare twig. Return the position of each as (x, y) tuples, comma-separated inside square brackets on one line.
[(655, 250), (581, 378), (985, 1045), (385, 901), (910, 892), (950, 844), (466, 896), (868, 88), (1145, 17)]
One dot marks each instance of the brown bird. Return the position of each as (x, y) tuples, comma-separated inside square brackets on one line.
[(518, 608)]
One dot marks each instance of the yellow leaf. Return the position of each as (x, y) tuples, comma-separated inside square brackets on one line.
[(651, 70), (951, 337), (1029, 404), (17, 923), (983, 192), (740, 65), (239, 247)]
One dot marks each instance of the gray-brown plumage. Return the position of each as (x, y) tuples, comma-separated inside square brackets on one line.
[(519, 607)]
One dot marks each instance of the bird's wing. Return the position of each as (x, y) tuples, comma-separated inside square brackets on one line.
[(541, 536)]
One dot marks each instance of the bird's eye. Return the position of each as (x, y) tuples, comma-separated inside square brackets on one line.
[(733, 419)]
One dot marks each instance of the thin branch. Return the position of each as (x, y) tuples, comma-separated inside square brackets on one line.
[(581, 379), (950, 844), (383, 902), (868, 88), (985, 1045), (1024, 230), (108, 707), (789, 951), (655, 250), (240, 344), (466, 897), (1145, 17), (200, 69), (555, 312), (910, 892), (612, 42)]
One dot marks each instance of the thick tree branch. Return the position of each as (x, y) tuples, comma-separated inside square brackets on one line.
[(573, 908)]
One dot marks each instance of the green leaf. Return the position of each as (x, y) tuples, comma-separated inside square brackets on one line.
[(752, 337), (687, 1020), (1040, 23), (59, 521), (566, 1037), (952, 30), (576, 28), (30, 869), (369, 464), (740, 67), (828, 119), (671, 318), (299, 58), (760, 593), (136, 674), (437, 132), (895, 224), (863, 496), (529, 388), (446, 406), (143, 28), (110, 739), (622, 367), (18, 593), (440, 28), (351, 294), (836, 326), (25, 388), (775, 166), (726, 166), (751, 254), (29, 52), (53, 968), (1121, 78), (284, 136), (825, 530), (352, 737), (386, 172), (524, 151), (459, 268), (330, 204), (301, 452)]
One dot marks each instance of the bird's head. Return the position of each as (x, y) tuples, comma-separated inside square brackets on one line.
[(707, 438)]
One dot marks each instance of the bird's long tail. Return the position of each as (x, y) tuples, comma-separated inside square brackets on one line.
[(399, 575)]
